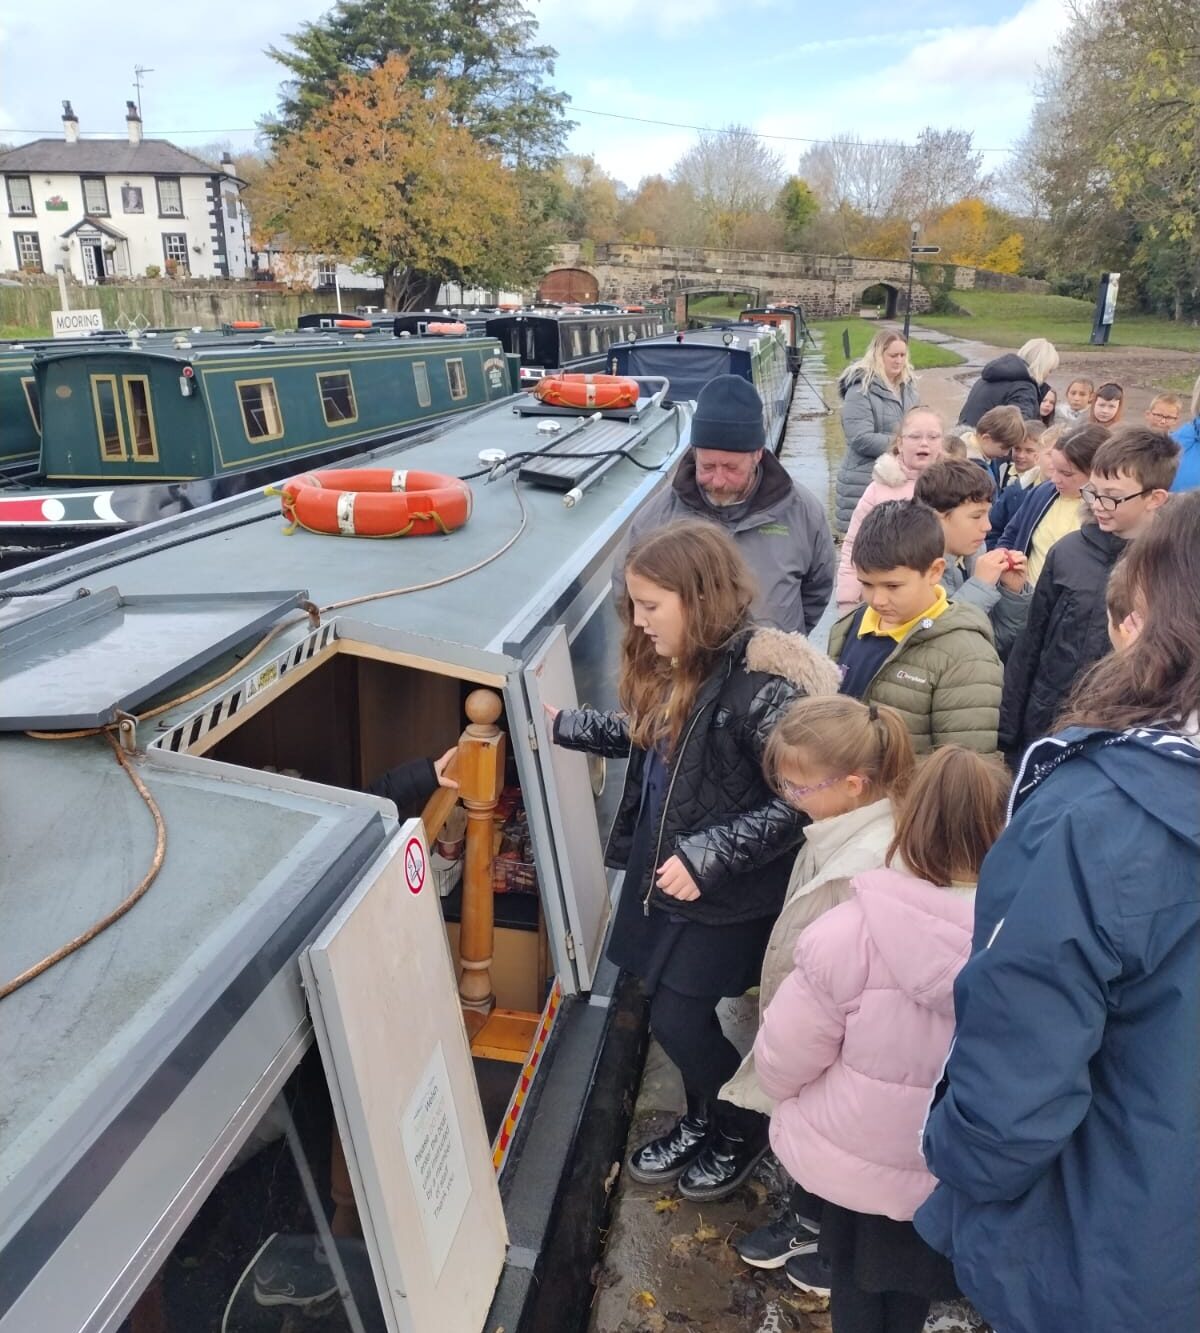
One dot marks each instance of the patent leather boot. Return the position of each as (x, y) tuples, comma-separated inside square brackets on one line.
[(738, 1140), (665, 1159)]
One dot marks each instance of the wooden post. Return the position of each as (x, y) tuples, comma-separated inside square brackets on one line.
[(480, 782)]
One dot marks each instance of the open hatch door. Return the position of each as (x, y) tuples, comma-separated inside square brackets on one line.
[(566, 779), (386, 1012)]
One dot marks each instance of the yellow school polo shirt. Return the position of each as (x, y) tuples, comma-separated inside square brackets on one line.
[(870, 620), (1062, 517)]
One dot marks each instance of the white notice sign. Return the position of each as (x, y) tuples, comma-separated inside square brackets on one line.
[(434, 1148), (71, 323)]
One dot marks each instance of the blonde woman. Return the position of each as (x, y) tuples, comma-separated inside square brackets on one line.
[(1187, 436), (876, 393), (1018, 378)]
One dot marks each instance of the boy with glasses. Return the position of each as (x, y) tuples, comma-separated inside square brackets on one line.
[(1067, 629), (1164, 413)]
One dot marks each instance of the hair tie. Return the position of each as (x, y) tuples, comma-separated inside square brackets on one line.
[(872, 713)]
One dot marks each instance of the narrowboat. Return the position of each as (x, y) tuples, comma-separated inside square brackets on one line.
[(564, 342), (789, 318), (442, 322), (292, 1023), (133, 433), (756, 352)]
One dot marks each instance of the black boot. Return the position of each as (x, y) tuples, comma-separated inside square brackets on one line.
[(738, 1140), (665, 1159)]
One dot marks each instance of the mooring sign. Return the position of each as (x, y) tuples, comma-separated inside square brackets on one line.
[(71, 323)]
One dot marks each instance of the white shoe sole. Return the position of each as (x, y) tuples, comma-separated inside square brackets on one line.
[(778, 1261)]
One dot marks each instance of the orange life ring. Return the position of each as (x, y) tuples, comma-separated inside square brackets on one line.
[(455, 328), (245, 323), (601, 391), (376, 502), (352, 324)]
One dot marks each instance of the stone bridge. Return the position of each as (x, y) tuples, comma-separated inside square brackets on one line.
[(824, 286)]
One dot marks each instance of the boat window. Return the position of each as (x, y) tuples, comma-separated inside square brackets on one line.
[(260, 409), (593, 339), (530, 353), (140, 416), (337, 398), (32, 401), (109, 429), (576, 341), (421, 379), (457, 376)]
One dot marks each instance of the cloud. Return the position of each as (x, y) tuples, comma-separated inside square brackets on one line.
[(562, 22)]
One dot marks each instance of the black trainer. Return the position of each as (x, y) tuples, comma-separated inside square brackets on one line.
[(809, 1272), (738, 1140), (666, 1158), (771, 1246)]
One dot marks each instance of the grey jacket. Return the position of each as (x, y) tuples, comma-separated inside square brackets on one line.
[(869, 421), (1006, 610), (781, 530)]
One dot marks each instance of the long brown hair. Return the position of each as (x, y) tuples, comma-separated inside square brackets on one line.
[(699, 562), (1157, 678), (953, 812), (843, 735)]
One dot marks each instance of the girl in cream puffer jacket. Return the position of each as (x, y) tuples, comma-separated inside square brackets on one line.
[(853, 1043)]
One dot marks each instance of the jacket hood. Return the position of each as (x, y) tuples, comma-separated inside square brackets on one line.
[(1006, 367), (923, 933), (853, 375), (792, 657), (889, 471), (1157, 769), (1108, 543), (825, 838), (958, 615), (774, 484)]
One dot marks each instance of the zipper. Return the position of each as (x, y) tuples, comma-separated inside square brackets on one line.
[(662, 824)]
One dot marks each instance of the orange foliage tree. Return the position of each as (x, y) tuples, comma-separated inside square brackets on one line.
[(383, 177)]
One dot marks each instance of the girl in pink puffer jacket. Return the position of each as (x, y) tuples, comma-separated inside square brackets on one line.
[(852, 1046)]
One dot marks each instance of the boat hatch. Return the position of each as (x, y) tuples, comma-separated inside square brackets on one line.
[(571, 459), (80, 663)]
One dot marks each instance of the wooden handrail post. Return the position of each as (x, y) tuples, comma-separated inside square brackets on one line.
[(480, 782)]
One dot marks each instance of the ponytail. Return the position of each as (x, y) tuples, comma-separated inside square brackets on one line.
[(844, 735), (953, 812)]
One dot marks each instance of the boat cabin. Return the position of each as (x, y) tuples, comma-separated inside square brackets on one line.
[(552, 343), (318, 1009), (790, 319), (757, 352), (186, 411)]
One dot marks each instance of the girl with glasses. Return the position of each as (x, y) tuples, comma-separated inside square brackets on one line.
[(918, 442)]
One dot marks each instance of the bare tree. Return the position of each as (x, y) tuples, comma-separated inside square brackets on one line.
[(847, 173), (733, 176), (941, 168)]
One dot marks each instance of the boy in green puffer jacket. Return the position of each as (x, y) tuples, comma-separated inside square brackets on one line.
[(908, 646)]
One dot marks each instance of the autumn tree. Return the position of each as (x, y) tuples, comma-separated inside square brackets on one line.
[(732, 175), (796, 205), (481, 52), (590, 200), (662, 212), (384, 176)]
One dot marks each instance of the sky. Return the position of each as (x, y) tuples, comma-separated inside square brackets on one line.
[(793, 69)]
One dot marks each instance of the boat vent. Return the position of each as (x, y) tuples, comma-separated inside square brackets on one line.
[(564, 466), (81, 662)]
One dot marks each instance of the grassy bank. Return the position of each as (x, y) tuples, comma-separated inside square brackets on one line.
[(1006, 319), (925, 356), (719, 307)]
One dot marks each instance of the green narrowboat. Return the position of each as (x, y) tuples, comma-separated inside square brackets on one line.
[(20, 412), (167, 428)]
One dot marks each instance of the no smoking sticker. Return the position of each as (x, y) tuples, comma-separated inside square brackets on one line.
[(414, 865)]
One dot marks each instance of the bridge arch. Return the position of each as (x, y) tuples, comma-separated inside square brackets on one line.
[(886, 296), (569, 285)]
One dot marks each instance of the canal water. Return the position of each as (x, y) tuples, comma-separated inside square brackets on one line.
[(669, 1265)]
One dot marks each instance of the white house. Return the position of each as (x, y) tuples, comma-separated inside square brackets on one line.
[(116, 207)]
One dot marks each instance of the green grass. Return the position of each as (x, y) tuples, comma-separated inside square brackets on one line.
[(22, 331), (1006, 319), (719, 307), (925, 356)]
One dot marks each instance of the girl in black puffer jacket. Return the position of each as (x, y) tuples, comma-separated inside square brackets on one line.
[(706, 845)]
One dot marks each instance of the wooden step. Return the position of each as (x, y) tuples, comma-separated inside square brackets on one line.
[(506, 1035)]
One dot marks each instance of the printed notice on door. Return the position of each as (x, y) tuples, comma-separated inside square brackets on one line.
[(433, 1145)]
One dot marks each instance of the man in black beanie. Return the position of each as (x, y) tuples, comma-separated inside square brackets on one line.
[(729, 477)]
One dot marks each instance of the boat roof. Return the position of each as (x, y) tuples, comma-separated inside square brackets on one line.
[(294, 343)]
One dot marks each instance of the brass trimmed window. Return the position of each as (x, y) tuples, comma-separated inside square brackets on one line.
[(140, 415), (110, 430), (261, 416), (421, 380), (338, 405), (32, 401)]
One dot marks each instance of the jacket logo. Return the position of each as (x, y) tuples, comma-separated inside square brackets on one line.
[(775, 530), (901, 674)]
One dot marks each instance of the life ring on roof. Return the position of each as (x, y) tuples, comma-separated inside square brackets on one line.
[(352, 324), (245, 324), (455, 329), (600, 391), (376, 502)]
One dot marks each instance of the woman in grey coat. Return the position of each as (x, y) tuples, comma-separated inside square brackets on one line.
[(876, 393)]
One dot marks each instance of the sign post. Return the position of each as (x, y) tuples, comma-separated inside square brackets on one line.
[(913, 251), (1106, 307), (71, 323)]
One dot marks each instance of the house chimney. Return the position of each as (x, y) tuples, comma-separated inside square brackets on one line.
[(70, 124), (227, 164), (133, 123)]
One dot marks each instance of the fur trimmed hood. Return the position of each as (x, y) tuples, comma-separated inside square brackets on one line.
[(888, 471), (792, 657)]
